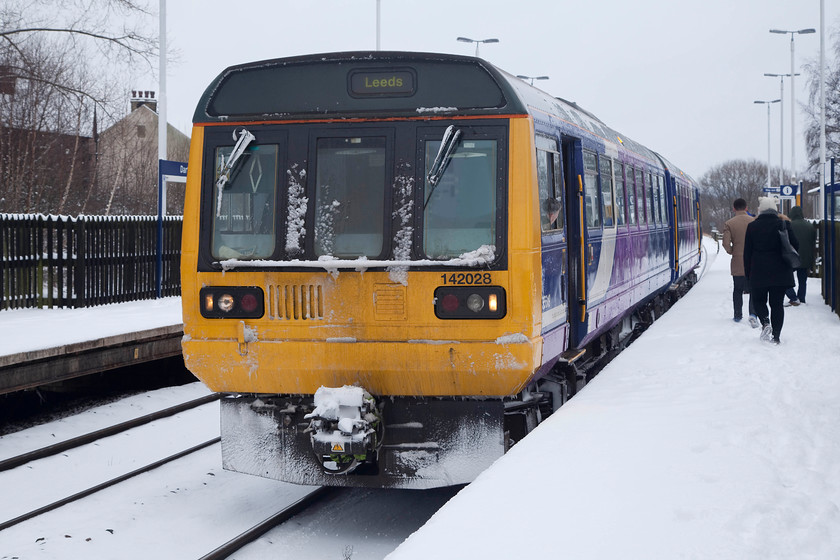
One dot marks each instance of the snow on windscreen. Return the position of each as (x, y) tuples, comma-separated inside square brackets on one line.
[(404, 190), (295, 230)]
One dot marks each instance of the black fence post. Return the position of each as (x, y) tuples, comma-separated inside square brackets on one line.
[(78, 259)]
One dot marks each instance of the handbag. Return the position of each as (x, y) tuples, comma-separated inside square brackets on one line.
[(789, 254)]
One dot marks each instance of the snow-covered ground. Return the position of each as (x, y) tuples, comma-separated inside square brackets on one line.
[(699, 441), (26, 330)]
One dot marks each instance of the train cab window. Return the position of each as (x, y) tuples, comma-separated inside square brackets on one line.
[(605, 167), (550, 180), (244, 207), (619, 193), (640, 196), (590, 185), (631, 195), (349, 196), (459, 210)]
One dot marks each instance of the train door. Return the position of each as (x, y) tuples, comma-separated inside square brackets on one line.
[(674, 229), (555, 284), (578, 237)]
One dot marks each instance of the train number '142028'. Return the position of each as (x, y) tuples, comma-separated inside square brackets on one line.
[(468, 278)]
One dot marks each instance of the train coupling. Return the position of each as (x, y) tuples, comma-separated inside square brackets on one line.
[(345, 428)]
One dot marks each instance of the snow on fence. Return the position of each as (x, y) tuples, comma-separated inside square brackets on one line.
[(59, 261)]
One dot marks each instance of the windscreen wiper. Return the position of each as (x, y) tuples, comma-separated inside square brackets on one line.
[(447, 147), (245, 138)]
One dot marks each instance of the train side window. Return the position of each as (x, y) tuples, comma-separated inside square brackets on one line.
[(650, 201), (590, 185), (640, 196), (631, 194), (350, 196), (244, 210), (550, 178), (606, 172), (619, 193), (663, 208)]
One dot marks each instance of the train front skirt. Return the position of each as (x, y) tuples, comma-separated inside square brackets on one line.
[(419, 442)]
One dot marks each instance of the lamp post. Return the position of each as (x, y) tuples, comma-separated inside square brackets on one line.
[(793, 92), (820, 205), (532, 78), (477, 42), (768, 103), (782, 122)]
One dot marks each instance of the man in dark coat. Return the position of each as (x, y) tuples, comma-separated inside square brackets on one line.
[(734, 231), (768, 274), (806, 235)]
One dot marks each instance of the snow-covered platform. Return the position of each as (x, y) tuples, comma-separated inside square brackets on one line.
[(40, 346), (699, 441)]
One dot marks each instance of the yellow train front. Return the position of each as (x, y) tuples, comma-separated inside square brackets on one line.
[(362, 268)]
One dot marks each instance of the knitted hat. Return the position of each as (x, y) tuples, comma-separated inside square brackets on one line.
[(767, 203)]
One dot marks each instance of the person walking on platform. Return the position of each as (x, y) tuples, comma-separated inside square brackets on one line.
[(806, 236), (768, 274), (734, 231)]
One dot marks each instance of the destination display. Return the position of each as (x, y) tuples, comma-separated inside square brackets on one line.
[(379, 82)]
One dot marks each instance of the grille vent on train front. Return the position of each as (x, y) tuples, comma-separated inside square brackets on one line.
[(296, 302)]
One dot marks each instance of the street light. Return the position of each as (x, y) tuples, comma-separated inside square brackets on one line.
[(782, 122), (532, 78), (793, 92), (477, 42), (768, 103)]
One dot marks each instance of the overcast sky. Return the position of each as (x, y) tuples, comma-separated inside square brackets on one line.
[(677, 76)]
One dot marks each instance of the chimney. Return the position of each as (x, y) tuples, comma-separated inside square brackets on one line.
[(140, 98)]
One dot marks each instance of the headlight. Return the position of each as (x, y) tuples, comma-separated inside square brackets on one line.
[(475, 303)]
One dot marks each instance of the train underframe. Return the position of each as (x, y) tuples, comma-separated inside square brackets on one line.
[(346, 437)]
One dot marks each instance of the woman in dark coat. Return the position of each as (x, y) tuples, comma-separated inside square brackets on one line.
[(768, 273)]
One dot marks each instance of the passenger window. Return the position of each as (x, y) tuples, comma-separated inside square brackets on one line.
[(590, 180), (650, 203), (459, 213), (550, 179), (631, 194), (605, 166), (619, 193), (244, 210), (663, 206), (640, 196), (349, 196)]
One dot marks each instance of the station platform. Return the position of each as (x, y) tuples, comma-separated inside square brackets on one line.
[(42, 346)]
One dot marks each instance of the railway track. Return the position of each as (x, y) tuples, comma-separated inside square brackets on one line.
[(103, 485), (252, 534), (90, 437)]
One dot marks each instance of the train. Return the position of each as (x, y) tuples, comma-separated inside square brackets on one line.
[(395, 265)]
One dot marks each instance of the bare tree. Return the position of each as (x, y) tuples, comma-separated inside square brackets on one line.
[(110, 29), (49, 93), (721, 185), (832, 109)]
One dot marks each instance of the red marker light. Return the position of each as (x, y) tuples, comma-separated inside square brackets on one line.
[(449, 303), (248, 303)]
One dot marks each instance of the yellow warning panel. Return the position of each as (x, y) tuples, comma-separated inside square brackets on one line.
[(338, 447)]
